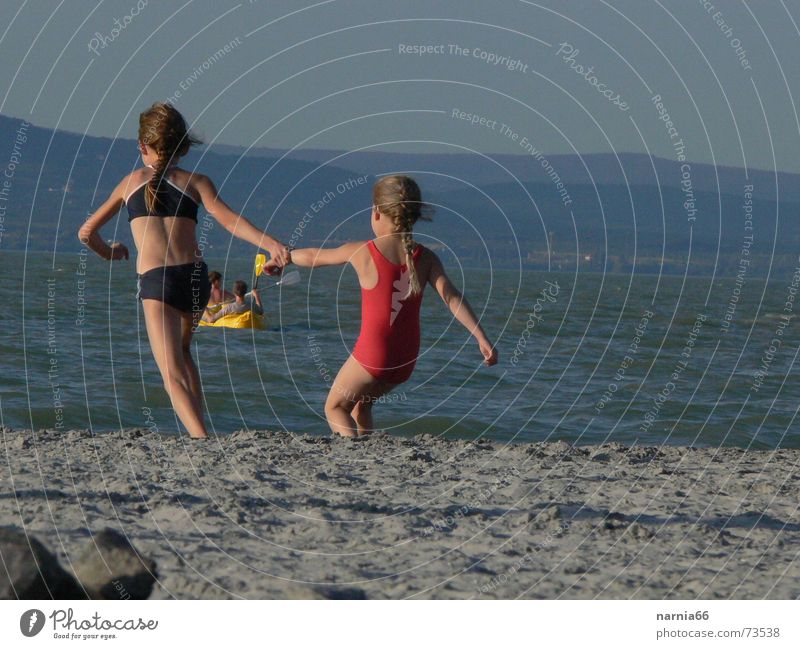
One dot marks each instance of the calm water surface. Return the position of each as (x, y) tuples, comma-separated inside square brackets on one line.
[(594, 358)]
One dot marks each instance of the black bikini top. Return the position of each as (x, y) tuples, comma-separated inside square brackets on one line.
[(173, 202)]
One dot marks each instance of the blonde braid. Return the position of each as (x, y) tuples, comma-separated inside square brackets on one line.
[(408, 243), (398, 197), (151, 199)]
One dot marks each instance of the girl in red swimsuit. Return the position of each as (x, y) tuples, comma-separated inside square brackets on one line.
[(392, 271)]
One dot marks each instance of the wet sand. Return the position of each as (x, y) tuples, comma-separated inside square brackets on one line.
[(274, 515)]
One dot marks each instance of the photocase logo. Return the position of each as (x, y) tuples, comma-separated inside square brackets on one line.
[(31, 622)]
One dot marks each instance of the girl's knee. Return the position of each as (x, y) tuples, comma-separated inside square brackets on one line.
[(339, 399), (332, 405), (174, 377), (173, 381)]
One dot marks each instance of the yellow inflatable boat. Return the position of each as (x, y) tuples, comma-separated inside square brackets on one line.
[(246, 320)]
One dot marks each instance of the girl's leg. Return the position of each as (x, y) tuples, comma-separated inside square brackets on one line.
[(164, 325), (349, 404), (188, 325), (362, 415)]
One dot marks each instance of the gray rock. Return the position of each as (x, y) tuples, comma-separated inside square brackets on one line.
[(341, 592), (302, 591), (29, 571), (111, 568)]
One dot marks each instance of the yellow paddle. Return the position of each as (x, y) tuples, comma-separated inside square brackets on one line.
[(261, 259)]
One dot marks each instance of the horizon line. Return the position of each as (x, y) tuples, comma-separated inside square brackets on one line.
[(619, 154)]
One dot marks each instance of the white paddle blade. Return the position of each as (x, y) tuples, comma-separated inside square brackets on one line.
[(292, 277)]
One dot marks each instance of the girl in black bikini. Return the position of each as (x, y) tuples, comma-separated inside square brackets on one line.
[(162, 202)]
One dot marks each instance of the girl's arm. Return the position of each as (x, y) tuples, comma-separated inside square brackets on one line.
[(89, 234), (460, 308), (237, 224), (315, 257)]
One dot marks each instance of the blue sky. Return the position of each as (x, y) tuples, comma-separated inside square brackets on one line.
[(565, 77)]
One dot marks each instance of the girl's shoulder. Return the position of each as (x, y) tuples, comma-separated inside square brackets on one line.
[(189, 182), (358, 245), (425, 255), (193, 181), (426, 261), (134, 180), (357, 254), (183, 173), (358, 248), (141, 172), (187, 177)]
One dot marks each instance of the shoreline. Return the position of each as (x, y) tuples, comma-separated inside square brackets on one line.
[(262, 514), (466, 438)]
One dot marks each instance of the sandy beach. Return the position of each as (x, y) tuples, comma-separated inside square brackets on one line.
[(273, 515)]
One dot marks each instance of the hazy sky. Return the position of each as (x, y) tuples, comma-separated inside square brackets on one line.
[(344, 74)]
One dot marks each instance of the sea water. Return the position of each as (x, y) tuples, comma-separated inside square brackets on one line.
[(586, 358)]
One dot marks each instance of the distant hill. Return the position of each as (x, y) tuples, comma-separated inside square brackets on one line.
[(506, 211), (598, 168)]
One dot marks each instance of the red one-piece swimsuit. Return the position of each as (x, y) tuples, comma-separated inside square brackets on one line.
[(388, 344)]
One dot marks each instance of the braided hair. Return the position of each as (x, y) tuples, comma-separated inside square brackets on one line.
[(163, 128), (399, 198)]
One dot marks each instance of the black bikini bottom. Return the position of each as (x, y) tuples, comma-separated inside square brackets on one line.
[(185, 287)]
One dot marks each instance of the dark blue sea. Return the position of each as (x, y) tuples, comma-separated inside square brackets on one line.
[(586, 358)]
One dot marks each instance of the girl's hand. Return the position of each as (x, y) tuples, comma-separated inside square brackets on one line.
[(118, 251), (272, 268), (489, 353), (279, 254)]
